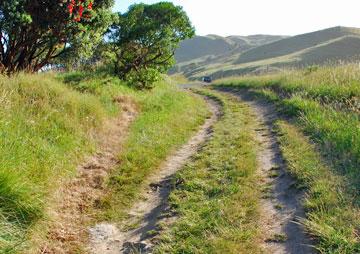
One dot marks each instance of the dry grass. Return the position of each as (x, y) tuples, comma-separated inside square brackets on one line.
[(296, 43)]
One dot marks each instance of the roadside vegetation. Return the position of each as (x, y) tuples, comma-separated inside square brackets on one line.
[(179, 79), (331, 215), (322, 104), (144, 40), (48, 126), (50, 122), (337, 86), (216, 195), (45, 129)]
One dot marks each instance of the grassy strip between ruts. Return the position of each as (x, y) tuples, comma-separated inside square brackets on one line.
[(217, 202), (330, 215)]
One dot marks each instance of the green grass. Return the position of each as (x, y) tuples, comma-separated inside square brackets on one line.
[(47, 126), (179, 79), (167, 119), (217, 204), (338, 86), (44, 129), (331, 215), (323, 105)]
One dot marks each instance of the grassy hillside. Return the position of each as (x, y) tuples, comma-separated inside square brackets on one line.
[(325, 47), (296, 43), (48, 126), (255, 40), (320, 139), (340, 50), (349, 46), (202, 47)]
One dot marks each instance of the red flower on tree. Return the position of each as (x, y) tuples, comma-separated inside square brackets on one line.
[(81, 10), (71, 7), (77, 9)]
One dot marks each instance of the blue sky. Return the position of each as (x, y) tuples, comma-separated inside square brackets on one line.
[(245, 17)]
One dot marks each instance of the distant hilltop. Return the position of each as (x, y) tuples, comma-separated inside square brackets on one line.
[(235, 55), (213, 45)]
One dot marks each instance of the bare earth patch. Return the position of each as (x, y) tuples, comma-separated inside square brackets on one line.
[(70, 217), (281, 205), (138, 233)]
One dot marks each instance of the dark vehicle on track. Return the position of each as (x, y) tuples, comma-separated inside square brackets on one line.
[(207, 79)]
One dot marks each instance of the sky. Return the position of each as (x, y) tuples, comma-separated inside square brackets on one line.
[(277, 17)]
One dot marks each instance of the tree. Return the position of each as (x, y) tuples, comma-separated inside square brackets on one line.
[(77, 58), (34, 32), (145, 39)]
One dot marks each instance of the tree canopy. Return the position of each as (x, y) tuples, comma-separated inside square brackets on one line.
[(33, 32), (145, 39)]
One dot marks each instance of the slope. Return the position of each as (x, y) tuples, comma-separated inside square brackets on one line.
[(202, 46), (214, 45), (329, 46), (296, 43)]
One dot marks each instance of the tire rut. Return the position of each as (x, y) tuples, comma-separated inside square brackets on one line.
[(137, 234), (76, 196), (281, 205)]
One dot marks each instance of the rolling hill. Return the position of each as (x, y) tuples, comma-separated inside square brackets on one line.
[(256, 54), (214, 45), (296, 43)]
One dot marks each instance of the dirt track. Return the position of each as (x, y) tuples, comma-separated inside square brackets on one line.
[(70, 217), (281, 204)]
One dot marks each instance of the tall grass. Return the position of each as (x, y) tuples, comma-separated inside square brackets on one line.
[(44, 129), (331, 215), (338, 86)]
